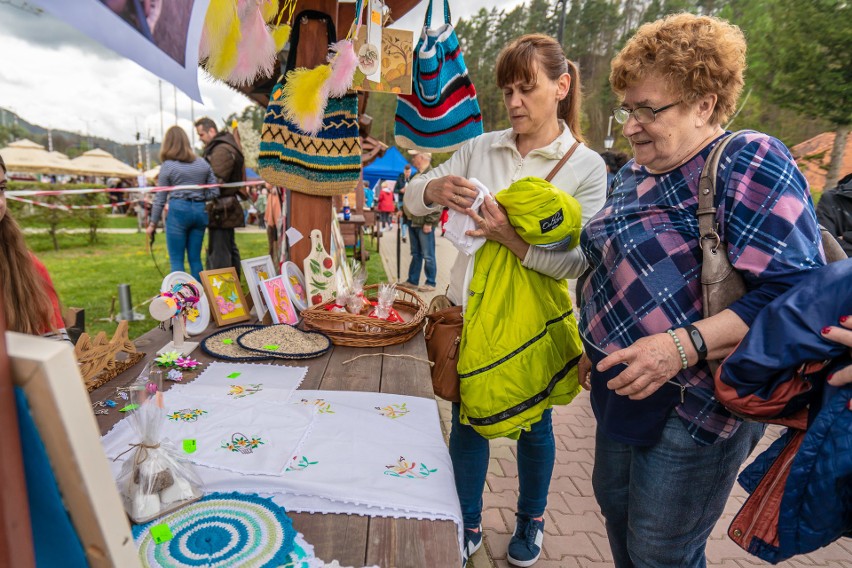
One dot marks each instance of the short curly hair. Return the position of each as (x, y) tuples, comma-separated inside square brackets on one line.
[(696, 55)]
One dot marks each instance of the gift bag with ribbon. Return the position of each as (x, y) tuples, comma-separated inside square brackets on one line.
[(442, 112), (327, 162)]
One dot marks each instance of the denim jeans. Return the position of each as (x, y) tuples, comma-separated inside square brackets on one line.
[(185, 227), (470, 452), (661, 502), (422, 252), (404, 225)]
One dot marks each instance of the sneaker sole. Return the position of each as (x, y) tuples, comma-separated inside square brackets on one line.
[(522, 563)]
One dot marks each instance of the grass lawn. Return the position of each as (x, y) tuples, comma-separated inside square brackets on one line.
[(88, 276)]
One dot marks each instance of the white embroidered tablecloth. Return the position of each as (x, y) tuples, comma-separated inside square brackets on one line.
[(245, 382)]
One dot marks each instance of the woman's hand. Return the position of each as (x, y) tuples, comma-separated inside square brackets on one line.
[(842, 335), (492, 223), (454, 192), (584, 372), (651, 362), (149, 230)]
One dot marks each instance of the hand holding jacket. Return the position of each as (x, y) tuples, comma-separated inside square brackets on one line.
[(843, 336)]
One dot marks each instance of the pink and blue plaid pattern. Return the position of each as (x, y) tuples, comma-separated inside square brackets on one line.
[(644, 248)]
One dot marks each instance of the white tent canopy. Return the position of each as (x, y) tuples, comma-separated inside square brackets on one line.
[(25, 156), (101, 163)]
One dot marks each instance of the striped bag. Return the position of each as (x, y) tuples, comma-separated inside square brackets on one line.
[(442, 112), (328, 163)]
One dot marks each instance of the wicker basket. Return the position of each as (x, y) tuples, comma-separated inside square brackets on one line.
[(363, 331)]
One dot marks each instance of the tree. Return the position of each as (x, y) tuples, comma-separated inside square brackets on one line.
[(804, 62)]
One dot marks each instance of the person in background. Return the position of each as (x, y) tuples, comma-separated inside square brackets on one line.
[(542, 95), (369, 195), (30, 303), (273, 218), (260, 205), (226, 158), (386, 205), (187, 217), (614, 162), (399, 194), (422, 236), (667, 452), (834, 212)]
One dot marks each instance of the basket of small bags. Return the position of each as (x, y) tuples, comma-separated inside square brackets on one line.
[(368, 316)]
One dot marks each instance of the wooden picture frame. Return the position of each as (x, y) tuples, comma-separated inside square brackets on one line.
[(280, 305), (257, 270), (49, 376), (225, 294)]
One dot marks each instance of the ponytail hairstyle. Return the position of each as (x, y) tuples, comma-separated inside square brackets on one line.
[(525, 55), (27, 307)]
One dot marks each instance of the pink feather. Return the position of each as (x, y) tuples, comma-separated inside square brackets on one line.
[(256, 50), (343, 64)]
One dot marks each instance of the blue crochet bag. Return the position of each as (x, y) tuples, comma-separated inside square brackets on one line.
[(442, 112)]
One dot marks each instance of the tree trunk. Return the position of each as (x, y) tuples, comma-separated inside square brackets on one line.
[(838, 150)]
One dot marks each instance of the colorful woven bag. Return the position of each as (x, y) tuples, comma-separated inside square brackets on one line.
[(328, 163), (442, 112)]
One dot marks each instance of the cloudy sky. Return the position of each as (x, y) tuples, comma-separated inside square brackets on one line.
[(54, 76)]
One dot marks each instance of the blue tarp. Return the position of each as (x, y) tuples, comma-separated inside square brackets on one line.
[(388, 167), (251, 175)]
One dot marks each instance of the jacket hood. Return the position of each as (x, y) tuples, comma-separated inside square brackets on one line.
[(542, 214)]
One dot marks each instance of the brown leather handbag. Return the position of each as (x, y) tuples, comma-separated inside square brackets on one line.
[(443, 336)]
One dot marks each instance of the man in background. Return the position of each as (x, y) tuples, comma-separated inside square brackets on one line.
[(423, 237), (834, 212), (225, 213)]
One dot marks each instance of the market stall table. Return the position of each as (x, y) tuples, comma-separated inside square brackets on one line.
[(352, 539)]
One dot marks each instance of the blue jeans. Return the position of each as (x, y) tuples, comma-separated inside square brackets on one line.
[(185, 228), (661, 502), (422, 252), (470, 452), (404, 224)]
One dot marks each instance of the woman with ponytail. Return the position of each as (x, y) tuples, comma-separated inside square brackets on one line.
[(30, 304), (541, 91)]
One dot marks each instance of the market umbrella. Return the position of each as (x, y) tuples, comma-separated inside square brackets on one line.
[(153, 174), (101, 163), (25, 156)]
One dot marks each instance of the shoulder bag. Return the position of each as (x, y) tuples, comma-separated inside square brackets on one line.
[(444, 324), (721, 284)]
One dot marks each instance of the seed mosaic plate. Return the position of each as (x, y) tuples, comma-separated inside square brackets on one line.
[(223, 345), (284, 341)]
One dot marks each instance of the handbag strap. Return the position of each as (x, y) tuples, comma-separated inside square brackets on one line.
[(300, 18), (562, 162), (428, 22), (706, 213)]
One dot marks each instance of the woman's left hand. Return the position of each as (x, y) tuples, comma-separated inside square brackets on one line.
[(492, 222), (651, 362), (842, 335)]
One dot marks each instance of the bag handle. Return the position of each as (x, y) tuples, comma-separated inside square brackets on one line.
[(562, 162), (706, 213), (428, 22), (297, 26)]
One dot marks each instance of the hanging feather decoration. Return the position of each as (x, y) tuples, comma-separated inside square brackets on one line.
[(217, 23), (343, 64), (269, 8), (281, 35), (304, 97), (256, 50), (223, 54)]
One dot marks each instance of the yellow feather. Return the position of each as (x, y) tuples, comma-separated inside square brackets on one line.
[(223, 58), (220, 14), (281, 35), (269, 9), (304, 97)]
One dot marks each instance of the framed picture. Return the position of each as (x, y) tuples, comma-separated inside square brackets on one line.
[(278, 301), (257, 270), (227, 303)]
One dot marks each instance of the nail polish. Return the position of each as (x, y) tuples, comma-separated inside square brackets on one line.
[(843, 318), (825, 330), (828, 378)]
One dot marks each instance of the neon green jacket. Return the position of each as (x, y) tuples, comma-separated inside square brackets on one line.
[(520, 346)]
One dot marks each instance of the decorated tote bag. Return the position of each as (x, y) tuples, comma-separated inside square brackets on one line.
[(442, 112), (326, 163)]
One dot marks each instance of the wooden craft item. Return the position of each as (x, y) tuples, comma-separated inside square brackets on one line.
[(98, 358), (319, 272)]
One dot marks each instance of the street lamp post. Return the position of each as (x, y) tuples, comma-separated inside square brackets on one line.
[(609, 141)]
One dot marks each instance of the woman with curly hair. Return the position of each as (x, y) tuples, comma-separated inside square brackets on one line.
[(30, 304), (667, 453)]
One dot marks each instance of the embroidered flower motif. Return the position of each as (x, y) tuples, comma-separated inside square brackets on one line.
[(242, 444), (239, 391), (186, 415), (393, 411), (302, 463), (404, 468), (323, 407)]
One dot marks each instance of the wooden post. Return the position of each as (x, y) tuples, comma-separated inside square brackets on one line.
[(16, 541)]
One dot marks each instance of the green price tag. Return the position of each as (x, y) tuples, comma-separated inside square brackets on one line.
[(129, 407), (227, 341), (161, 533), (234, 375), (271, 347), (189, 445)]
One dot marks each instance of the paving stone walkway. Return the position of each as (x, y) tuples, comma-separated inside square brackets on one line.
[(574, 529)]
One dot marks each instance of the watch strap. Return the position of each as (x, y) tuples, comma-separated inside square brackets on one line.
[(697, 341)]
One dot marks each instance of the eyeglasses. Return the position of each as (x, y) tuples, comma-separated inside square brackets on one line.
[(643, 115)]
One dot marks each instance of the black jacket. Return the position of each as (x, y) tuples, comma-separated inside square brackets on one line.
[(834, 212)]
